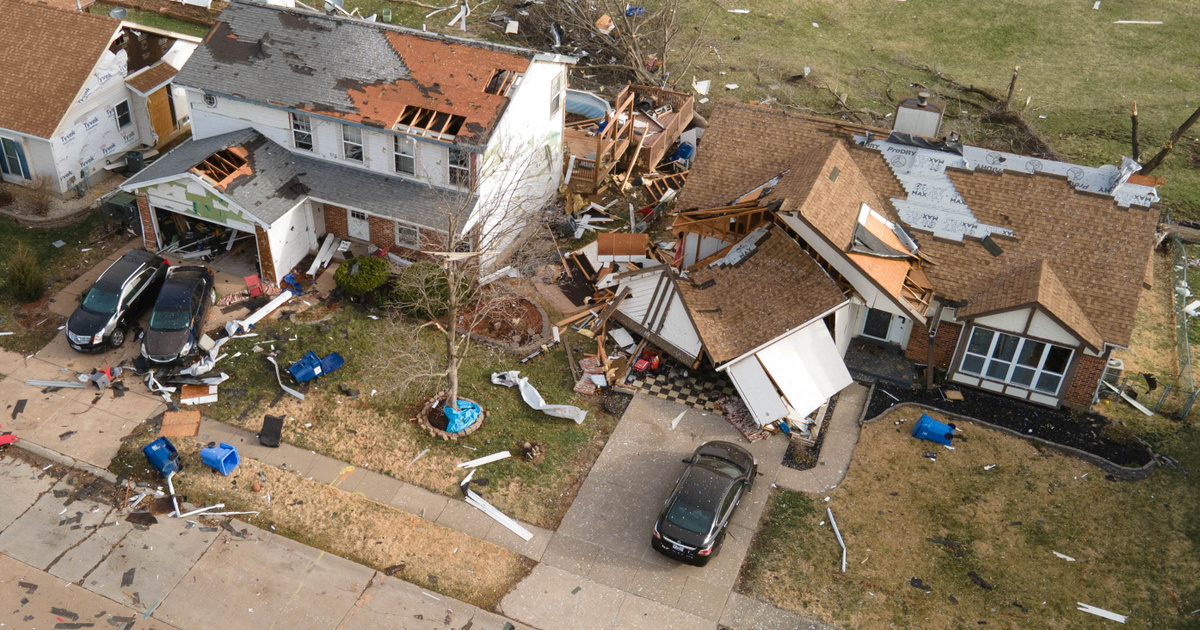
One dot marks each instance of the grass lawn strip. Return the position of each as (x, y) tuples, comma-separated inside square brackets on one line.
[(429, 555), (1135, 544), (375, 432)]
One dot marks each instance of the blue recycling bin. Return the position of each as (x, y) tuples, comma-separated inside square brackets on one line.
[(331, 363), (929, 429), (307, 368), (224, 458), (162, 456)]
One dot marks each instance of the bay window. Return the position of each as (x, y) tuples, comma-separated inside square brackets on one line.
[(1015, 360)]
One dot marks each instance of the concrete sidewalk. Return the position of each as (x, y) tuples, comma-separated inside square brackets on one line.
[(836, 452), (73, 560), (441, 509)]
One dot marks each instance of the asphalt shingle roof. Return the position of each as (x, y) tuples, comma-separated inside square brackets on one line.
[(364, 72), (268, 192), (48, 54)]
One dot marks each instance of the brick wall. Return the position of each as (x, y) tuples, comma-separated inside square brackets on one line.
[(266, 262), (383, 232), (944, 344), (335, 221), (149, 237), (1083, 382)]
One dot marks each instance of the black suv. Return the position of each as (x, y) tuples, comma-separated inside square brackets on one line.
[(692, 524), (115, 300), (177, 320)]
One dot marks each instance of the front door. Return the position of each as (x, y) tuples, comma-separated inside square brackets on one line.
[(358, 226), (877, 325)]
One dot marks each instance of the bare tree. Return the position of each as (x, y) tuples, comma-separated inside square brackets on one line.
[(647, 44), (482, 234)]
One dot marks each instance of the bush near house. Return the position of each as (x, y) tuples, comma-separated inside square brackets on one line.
[(361, 275), (26, 280), (422, 290)]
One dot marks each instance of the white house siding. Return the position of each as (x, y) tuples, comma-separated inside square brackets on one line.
[(1011, 321), (189, 197), (521, 168), (1042, 327), (644, 306), (291, 237)]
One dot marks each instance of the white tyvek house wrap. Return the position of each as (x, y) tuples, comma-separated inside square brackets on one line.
[(83, 142)]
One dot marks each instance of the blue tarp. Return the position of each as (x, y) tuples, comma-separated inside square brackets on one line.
[(465, 416)]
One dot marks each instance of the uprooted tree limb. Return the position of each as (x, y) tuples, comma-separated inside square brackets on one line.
[(620, 43)]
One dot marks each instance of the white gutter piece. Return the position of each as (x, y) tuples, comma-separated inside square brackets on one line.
[(494, 457), (1100, 612), (271, 306), (487, 508)]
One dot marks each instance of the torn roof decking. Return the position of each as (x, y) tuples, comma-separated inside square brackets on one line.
[(358, 71), (766, 286), (150, 78), (1094, 234), (273, 180)]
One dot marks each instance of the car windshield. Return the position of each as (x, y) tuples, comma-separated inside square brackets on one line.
[(101, 300), (722, 465), (694, 519), (169, 319)]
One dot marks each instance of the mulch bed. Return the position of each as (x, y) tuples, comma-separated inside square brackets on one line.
[(513, 320), (1081, 431)]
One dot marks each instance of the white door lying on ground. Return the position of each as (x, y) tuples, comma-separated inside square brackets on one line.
[(358, 226)]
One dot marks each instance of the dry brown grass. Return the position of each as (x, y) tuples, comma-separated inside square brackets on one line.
[(1134, 544), (432, 556)]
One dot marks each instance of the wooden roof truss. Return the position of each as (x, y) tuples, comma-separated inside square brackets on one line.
[(427, 122)]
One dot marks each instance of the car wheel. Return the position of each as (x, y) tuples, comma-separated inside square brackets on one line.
[(117, 339)]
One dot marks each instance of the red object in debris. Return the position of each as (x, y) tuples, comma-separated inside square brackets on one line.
[(640, 365), (380, 253), (254, 284), (8, 439)]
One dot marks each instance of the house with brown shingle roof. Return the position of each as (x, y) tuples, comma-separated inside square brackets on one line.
[(1014, 274), (80, 91)]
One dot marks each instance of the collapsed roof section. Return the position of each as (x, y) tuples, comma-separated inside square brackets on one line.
[(975, 216), (763, 287), (267, 180), (362, 72)]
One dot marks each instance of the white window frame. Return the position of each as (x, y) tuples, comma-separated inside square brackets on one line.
[(128, 114), (398, 154), (1013, 362), (458, 174), (210, 100), (414, 235), (302, 128), (556, 93), (349, 147), (21, 173)]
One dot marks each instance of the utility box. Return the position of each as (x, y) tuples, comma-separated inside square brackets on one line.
[(918, 116)]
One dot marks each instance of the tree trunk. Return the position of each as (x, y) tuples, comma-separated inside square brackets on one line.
[(1137, 150), (1162, 155), (452, 359)]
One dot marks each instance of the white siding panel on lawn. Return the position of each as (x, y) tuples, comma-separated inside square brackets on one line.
[(1043, 327), (757, 391), (1010, 321), (806, 365)]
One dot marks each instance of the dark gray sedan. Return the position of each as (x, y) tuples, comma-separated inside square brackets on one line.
[(692, 524), (177, 320)]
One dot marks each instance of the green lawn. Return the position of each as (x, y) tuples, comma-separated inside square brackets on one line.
[(149, 18), (61, 265), (376, 431)]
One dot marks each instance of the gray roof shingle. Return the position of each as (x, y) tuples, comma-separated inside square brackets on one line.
[(267, 193)]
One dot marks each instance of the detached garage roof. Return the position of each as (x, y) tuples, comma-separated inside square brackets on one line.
[(267, 180), (48, 55)]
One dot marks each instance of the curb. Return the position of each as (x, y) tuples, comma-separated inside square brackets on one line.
[(1114, 469), (65, 461)]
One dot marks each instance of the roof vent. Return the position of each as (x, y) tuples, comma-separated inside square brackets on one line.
[(918, 116), (991, 245)]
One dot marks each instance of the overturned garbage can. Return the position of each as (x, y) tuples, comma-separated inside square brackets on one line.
[(224, 458), (929, 429), (162, 456)]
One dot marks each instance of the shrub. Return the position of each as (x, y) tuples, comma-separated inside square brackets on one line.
[(1118, 434), (357, 276), (6, 198), (26, 279), (422, 290), (41, 194)]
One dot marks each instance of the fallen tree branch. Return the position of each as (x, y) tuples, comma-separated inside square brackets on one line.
[(1158, 158)]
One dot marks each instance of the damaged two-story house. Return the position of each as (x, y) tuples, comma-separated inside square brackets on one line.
[(1013, 274), (307, 124), (80, 91)]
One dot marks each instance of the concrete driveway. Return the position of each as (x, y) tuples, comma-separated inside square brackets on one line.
[(602, 548)]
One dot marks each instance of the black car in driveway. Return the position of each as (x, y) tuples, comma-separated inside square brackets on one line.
[(177, 320), (692, 524), (114, 301)]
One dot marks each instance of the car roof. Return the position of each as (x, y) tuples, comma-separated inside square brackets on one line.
[(124, 267), (176, 292)]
